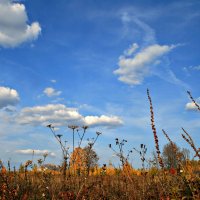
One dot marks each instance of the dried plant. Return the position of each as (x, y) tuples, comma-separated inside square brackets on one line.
[(64, 149), (73, 127), (120, 144), (189, 140), (106, 182), (142, 152), (174, 148), (195, 103), (154, 132)]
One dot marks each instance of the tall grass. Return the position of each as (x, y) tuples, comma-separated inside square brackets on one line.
[(105, 182)]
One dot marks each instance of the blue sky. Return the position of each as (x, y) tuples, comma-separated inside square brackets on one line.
[(90, 62)]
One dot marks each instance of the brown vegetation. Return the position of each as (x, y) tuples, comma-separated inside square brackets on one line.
[(79, 178)]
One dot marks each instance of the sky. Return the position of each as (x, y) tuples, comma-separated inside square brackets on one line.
[(90, 63)]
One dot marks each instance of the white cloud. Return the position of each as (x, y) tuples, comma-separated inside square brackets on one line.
[(60, 115), (133, 70), (8, 97), (192, 106), (36, 152), (131, 50), (196, 68), (53, 81), (50, 92), (103, 121), (57, 114), (14, 29), (188, 70)]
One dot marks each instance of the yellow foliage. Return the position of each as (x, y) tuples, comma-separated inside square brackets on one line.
[(3, 170), (77, 160)]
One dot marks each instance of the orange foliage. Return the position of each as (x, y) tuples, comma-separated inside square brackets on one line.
[(3, 170), (77, 159)]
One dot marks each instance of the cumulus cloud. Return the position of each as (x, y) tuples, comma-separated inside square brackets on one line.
[(60, 115), (134, 65), (8, 97), (35, 152), (103, 121), (192, 106), (14, 29), (50, 92)]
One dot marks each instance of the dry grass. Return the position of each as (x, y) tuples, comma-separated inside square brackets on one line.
[(153, 184), (105, 183)]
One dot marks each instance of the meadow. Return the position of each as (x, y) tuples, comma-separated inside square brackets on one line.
[(167, 176)]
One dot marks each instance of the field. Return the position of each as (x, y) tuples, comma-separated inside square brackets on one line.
[(102, 184), (77, 120), (80, 177)]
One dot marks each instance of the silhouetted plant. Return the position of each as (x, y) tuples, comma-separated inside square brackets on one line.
[(142, 152), (65, 150), (120, 152), (190, 141), (154, 131), (195, 103)]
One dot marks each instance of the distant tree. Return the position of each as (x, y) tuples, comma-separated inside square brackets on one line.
[(172, 154), (83, 159), (186, 154), (169, 155), (154, 160), (90, 159), (77, 159)]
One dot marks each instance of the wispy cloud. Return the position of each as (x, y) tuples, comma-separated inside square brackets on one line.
[(134, 68), (53, 81), (138, 63), (8, 97), (14, 29), (148, 33), (192, 68), (50, 92), (196, 68)]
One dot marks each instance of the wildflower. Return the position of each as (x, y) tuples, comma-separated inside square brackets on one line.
[(73, 127), (85, 127), (90, 144), (98, 133), (59, 136), (172, 171), (49, 125), (117, 141), (40, 161), (28, 162)]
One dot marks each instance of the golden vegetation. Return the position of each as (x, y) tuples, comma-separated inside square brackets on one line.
[(81, 178)]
